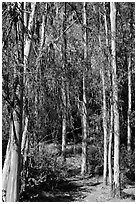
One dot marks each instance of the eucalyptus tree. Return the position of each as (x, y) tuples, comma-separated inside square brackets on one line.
[(116, 182), (19, 56)]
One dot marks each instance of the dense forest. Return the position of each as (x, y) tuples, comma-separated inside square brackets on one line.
[(68, 101)]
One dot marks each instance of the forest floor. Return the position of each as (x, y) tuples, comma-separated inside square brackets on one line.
[(78, 189), (81, 190)]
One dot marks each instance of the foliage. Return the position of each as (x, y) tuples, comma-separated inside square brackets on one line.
[(46, 166), (127, 165), (42, 94)]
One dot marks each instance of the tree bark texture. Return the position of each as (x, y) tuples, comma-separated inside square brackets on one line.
[(84, 110), (11, 171), (104, 112), (129, 106), (110, 112), (110, 147), (116, 183), (64, 122), (64, 93)]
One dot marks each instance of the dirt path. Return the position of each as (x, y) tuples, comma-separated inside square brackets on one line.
[(77, 189), (92, 190)]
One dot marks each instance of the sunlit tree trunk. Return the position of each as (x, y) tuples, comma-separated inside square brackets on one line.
[(129, 80), (129, 106), (63, 120), (104, 111), (6, 168), (110, 146), (105, 130), (15, 137), (110, 112), (84, 110), (64, 98), (11, 182), (116, 183), (12, 192)]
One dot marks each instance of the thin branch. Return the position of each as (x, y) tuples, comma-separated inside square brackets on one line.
[(65, 31)]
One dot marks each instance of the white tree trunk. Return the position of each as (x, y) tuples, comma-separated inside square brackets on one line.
[(64, 120), (12, 191), (116, 184), (105, 130), (64, 92), (104, 111), (11, 172), (6, 168), (84, 132), (110, 147), (129, 106), (84, 110), (109, 111)]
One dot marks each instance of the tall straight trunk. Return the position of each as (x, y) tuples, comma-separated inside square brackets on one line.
[(64, 97), (104, 115), (38, 76), (129, 106), (84, 110), (110, 112), (105, 130), (110, 146), (64, 121), (116, 184)]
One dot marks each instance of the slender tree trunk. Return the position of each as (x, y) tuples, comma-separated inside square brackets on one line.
[(129, 79), (64, 121), (110, 147), (116, 184), (84, 110), (105, 130), (104, 115), (110, 112), (64, 98), (129, 106)]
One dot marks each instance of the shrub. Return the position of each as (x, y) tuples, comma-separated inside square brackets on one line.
[(127, 165), (47, 167)]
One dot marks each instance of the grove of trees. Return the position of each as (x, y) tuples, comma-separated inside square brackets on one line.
[(68, 80)]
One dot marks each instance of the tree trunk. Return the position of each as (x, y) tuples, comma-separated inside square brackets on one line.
[(6, 169), (63, 121), (11, 181), (110, 112), (110, 147), (116, 184), (129, 106), (64, 98), (104, 115), (84, 132), (12, 191), (105, 130), (84, 110)]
